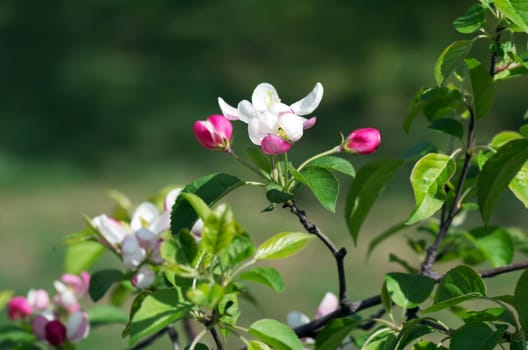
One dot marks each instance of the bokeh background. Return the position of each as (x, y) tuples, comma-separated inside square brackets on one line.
[(99, 95)]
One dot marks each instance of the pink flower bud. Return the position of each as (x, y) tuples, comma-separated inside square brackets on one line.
[(55, 332), (214, 133), (77, 327), (18, 308), (327, 305), (273, 145), (38, 299), (362, 141), (79, 284), (144, 278)]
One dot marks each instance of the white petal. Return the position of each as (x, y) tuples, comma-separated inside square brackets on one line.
[(130, 245), (146, 213), (171, 197), (133, 260), (146, 239), (228, 111), (246, 111), (292, 125), (112, 230), (256, 132), (297, 319), (264, 97), (310, 102), (161, 223)]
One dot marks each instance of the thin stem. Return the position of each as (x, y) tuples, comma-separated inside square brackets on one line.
[(244, 163), (216, 338), (332, 150), (197, 339)]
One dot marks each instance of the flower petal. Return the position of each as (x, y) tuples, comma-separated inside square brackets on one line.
[(310, 102), (145, 214), (144, 278), (273, 145), (228, 111), (171, 197), (327, 305), (292, 125), (246, 111), (77, 327), (111, 230), (264, 97), (308, 123)]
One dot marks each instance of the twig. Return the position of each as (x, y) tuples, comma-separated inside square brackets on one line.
[(339, 254), (151, 339), (216, 338), (173, 335), (190, 332)]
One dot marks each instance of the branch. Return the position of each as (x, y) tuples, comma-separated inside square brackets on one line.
[(151, 339), (216, 338), (312, 328), (339, 254)]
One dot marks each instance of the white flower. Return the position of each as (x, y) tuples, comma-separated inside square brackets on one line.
[(267, 115)]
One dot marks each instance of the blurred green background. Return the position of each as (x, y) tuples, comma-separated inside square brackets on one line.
[(99, 95)]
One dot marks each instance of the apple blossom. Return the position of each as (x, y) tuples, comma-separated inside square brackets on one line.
[(144, 278), (38, 299), (327, 305), (18, 308), (362, 141), (77, 327), (267, 115), (55, 332), (214, 133)]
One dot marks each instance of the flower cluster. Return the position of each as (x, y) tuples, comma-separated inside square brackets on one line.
[(273, 125), (58, 320), (138, 242)]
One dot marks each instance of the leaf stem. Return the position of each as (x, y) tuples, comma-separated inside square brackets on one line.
[(332, 150)]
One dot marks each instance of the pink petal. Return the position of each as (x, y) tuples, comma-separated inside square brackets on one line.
[(273, 145), (327, 305), (362, 141), (18, 307), (78, 326)]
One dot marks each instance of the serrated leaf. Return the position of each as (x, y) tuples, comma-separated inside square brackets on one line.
[(476, 335), (334, 333), (519, 300), (519, 185), (369, 183), (199, 206), (408, 291), (156, 311), (412, 330), (267, 276), (102, 280), (206, 294), (276, 334), (257, 345), (210, 189), (448, 126), (498, 172), (275, 194), (450, 58), (496, 244), (488, 315), (106, 314), (218, 230), (428, 178), (472, 20), (282, 245), (482, 87), (334, 164), (503, 138), (228, 309), (323, 184), (82, 256), (515, 10)]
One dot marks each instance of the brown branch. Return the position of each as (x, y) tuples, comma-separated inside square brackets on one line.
[(151, 339)]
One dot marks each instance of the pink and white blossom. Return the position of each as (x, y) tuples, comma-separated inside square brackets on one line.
[(144, 278), (214, 133), (362, 141), (38, 299), (18, 308)]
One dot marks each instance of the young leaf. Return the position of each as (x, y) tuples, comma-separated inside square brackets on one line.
[(282, 245), (257, 345), (267, 276), (472, 20), (515, 10), (323, 184), (228, 309), (519, 185), (448, 126), (334, 333), (105, 315), (450, 58), (503, 138), (205, 294), (199, 206), (218, 230), (412, 330), (102, 280), (498, 172), (407, 290), (210, 189), (368, 184), (275, 194), (496, 244), (259, 159), (276, 334), (82, 256), (482, 87), (475, 335), (428, 178), (156, 311), (334, 164), (519, 300)]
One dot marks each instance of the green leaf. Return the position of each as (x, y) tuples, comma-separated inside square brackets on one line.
[(439, 102), (267, 276), (228, 309), (488, 315), (386, 298), (519, 300), (5, 296), (205, 294), (496, 244), (334, 334), (459, 284), (475, 335), (334, 164), (210, 189), (239, 249), (106, 314), (275, 194), (503, 138), (412, 330), (368, 184), (515, 10), (428, 178), (407, 290), (259, 159), (257, 345), (16, 334), (519, 185), (384, 235), (218, 230), (276, 334), (82, 256), (450, 58), (416, 107), (282, 245), (482, 87), (199, 206), (418, 151), (498, 172), (102, 280), (472, 20), (323, 184), (448, 126), (156, 311)]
